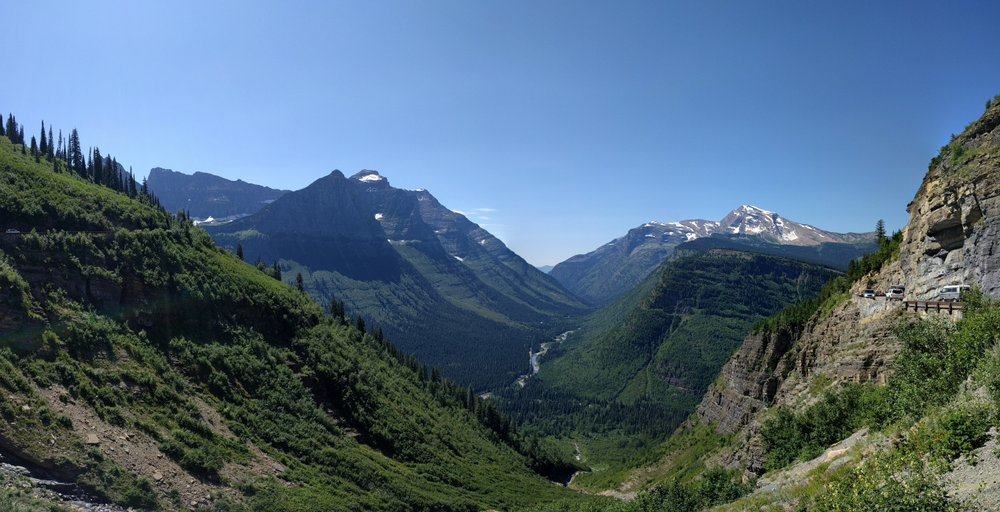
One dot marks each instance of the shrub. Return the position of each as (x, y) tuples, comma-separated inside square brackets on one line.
[(954, 432), (886, 482), (715, 487), (789, 436)]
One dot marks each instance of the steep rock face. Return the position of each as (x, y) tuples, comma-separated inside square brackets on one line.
[(952, 238), (854, 343), (954, 234)]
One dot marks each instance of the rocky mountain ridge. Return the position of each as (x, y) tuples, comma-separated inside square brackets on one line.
[(208, 197), (609, 271), (441, 286)]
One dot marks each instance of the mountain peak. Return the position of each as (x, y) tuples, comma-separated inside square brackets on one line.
[(370, 176), (749, 208)]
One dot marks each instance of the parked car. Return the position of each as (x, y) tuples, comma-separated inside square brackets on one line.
[(12, 231), (895, 293), (868, 294), (953, 292)]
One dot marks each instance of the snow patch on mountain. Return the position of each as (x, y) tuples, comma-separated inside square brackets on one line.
[(747, 220)]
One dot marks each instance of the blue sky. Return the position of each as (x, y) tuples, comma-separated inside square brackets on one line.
[(557, 125)]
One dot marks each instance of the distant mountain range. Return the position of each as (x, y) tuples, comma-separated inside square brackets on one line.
[(208, 197), (440, 286), (545, 268), (613, 269)]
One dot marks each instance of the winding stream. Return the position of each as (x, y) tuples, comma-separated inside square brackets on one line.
[(536, 357)]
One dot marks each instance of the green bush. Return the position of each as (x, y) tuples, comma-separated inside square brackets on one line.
[(954, 432), (988, 374), (937, 358), (789, 436), (716, 486), (891, 482)]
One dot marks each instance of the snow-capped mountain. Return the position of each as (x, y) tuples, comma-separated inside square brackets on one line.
[(751, 220), (615, 267)]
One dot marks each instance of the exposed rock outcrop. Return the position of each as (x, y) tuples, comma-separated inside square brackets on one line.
[(953, 237)]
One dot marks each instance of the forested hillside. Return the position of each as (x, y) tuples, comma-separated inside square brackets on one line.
[(634, 370), (443, 288), (152, 369)]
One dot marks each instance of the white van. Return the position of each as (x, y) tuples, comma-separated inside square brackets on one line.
[(895, 293), (953, 292)]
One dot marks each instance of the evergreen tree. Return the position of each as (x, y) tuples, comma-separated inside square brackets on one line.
[(277, 271), (360, 324), (96, 166), (51, 152), (3, 128), (11, 128), (239, 252), (298, 282), (20, 135), (131, 182), (74, 154), (43, 144), (880, 231), (34, 147)]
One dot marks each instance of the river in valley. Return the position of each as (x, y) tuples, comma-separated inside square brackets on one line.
[(536, 357)]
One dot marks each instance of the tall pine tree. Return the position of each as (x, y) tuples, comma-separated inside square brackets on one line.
[(43, 143), (97, 167), (74, 154)]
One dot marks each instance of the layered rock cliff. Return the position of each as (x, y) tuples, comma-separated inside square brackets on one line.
[(952, 237)]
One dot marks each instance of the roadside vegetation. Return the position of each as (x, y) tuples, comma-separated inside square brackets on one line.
[(932, 408)]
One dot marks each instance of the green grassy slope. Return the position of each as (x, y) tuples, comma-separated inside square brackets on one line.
[(218, 378)]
